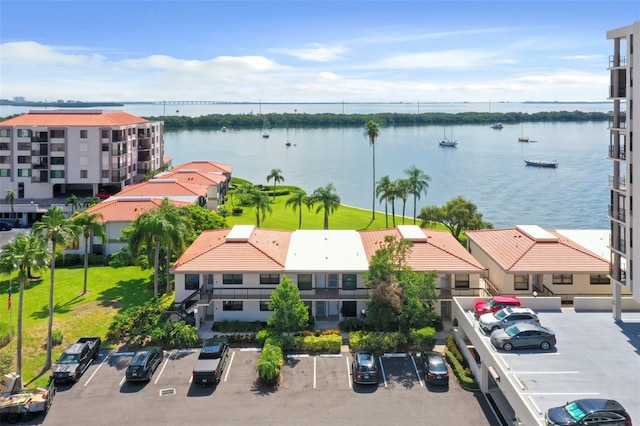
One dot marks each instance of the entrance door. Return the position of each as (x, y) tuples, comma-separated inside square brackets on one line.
[(349, 309), (321, 281), (333, 309)]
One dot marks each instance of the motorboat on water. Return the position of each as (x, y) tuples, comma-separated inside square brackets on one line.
[(497, 125), (542, 163)]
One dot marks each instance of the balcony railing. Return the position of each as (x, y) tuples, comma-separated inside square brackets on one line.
[(259, 293), (621, 183), (617, 214), (622, 123), (449, 293), (617, 61), (620, 93), (621, 154)]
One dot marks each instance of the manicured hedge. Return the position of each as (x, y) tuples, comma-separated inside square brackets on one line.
[(419, 340), (312, 344), (269, 365), (459, 365)]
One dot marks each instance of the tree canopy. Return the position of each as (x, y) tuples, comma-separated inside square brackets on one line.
[(289, 311), (457, 215)]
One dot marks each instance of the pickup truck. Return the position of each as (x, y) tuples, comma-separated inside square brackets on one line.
[(76, 359), (211, 362)]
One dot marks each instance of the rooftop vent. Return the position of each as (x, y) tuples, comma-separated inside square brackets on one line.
[(536, 233), (412, 233), (240, 233)]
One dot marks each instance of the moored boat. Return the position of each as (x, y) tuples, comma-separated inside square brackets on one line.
[(542, 163), (497, 125)]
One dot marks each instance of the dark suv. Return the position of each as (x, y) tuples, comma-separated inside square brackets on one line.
[(435, 369), (365, 368), (143, 364), (590, 411)]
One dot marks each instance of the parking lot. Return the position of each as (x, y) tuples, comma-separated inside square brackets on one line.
[(314, 389)]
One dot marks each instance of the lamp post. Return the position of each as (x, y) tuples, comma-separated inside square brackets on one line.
[(195, 315)]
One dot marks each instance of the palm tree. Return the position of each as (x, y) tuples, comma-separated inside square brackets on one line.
[(393, 192), (89, 223), (382, 192), (329, 201), (418, 184), (73, 201), (58, 229), (153, 229), (296, 200), (371, 132), (402, 186), (276, 174), (90, 201), (24, 253), (260, 201), (11, 199)]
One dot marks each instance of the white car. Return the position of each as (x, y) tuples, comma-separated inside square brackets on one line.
[(506, 317)]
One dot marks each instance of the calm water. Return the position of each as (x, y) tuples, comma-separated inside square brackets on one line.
[(487, 167)]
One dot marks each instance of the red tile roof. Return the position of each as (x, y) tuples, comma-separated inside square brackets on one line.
[(265, 250), (163, 188), (440, 252), (206, 167), (127, 210), (193, 176), (515, 251), (70, 118)]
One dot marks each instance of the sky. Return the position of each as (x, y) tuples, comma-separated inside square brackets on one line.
[(309, 51)]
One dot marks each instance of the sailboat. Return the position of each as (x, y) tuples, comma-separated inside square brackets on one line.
[(265, 134), (288, 143), (522, 138), (446, 141)]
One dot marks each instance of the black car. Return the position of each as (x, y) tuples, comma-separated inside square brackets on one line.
[(143, 364), (590, 411), (365, 368), (5, 225), (435, 369)]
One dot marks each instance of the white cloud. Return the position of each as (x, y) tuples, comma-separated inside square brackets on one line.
[(449, 59), (30, 53), (315, 53)]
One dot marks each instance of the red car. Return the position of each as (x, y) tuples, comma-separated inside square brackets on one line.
[(495, 304), (103, 195)]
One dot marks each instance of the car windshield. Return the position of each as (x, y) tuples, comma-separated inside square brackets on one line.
[(512, 331), (365, 362), (490, 303), (436, 364), (69, 359), (138, 359), (500, 314), (575, 411)]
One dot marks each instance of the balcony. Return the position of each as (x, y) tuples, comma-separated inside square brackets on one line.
[(621, 186), (617, 214), (620, 92), (622, 123), (450, 293), (622, 155), (617, 61), (40, 138), (261, 293)]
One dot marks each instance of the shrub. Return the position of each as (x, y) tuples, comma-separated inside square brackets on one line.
[(466, 381), (351, 324), (56, 337), (6, 361), (119, 259), (453, 347), (377, 341), (265, 334), (422, 339), (5, 334), (329, 343), (236, 326), (237, 211), (269, 364), (94, 259)]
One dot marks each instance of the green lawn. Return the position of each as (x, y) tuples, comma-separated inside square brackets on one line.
[(109, 291)]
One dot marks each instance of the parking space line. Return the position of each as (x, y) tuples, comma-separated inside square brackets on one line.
[(229, 367), (155, 382), (384, 375), (122, 380), (314, 372), (94, 373), (348, 372), (417, 372), (535, 406)]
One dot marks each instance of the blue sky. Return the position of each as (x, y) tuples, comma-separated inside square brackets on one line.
[(309, 51)]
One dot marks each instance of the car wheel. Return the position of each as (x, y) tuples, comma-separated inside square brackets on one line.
[(545, 345), (507, 346)]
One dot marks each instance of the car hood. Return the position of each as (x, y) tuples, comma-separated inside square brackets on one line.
[(499, 334), (480, 306), (560, 417), (487, 318), (65, 368)]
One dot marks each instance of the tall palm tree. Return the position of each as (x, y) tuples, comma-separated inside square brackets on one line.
[(393, 192), (177, 240), (89, 224), (371, 132), (328, 201), (155, 228), (260, 201), (90, 201), (24, 253), (73, 201), (11, 199), (296, 200), (276, 174), (402, 186), (418, 185), (58, 229), (382, 192)]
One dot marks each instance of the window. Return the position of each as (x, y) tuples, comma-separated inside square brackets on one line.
[(231, 278), (5, 159), (599, 279), (191, 281), (104, 134), (105, 147), (83, 134), (57, 133), (24, 159), (270, 279), (5, 133), (264, 305), (57, 147), (5, 172), (4, 146), (333, 280), (462, 281), (57, 174), (105, 174), (24, 133), (562, 279), (57, 161), (349, 282), (24, 146), (84, 174), (305, 282), (24, 172), (231, 305), (521, 282)]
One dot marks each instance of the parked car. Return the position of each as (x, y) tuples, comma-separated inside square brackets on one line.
[(435, 369), (5, 225), (143, 364), (523, 336), (365, 368), (103, 195), (506, 317), (495, 304), (590, 411), (75, 360), (211, 362)]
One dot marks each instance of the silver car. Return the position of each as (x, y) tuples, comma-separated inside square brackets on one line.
[(523, 336), (506, 317)]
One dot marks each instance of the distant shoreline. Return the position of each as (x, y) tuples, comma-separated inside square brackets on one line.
[(62, 104)]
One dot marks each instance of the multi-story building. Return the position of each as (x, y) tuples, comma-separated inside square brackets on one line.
[(50, 153), (625, 227)]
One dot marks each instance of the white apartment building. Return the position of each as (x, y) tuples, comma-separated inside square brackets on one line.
[(55, 153), (625, 227)]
